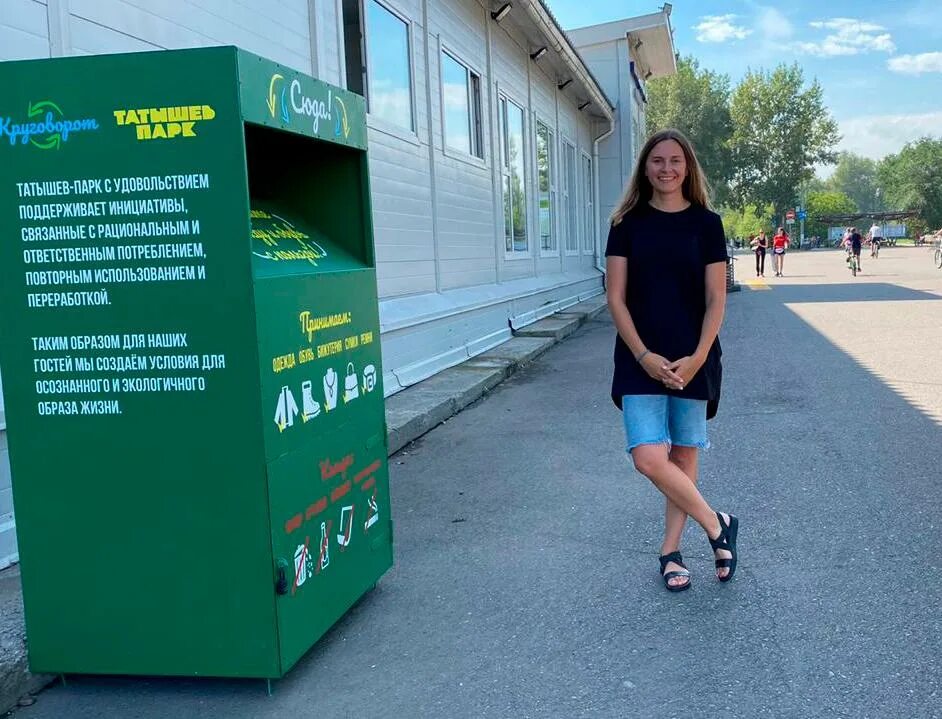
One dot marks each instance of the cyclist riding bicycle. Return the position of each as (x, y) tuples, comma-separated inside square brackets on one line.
[(876, 239), (856, 242)]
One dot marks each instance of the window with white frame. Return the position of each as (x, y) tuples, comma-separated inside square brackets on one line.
[(588, 195), (461, 101), (512, 173), (570, 198), (546, 188), (385, 77)]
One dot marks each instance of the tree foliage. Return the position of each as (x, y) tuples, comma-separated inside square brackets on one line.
[(912, 180), (821, 204), (750, 220), (696, 102), (857, 177), (781, 130)]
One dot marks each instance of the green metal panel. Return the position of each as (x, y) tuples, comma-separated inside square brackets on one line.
[(325, 438), (155, 491), (277, 96)]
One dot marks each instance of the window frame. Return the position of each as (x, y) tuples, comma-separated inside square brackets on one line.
[(553, 184), (475, 108), (588, 204), (374, 121), (571, 197), (503, 162)]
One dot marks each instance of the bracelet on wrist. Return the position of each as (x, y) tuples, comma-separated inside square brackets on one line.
[(642, 356)]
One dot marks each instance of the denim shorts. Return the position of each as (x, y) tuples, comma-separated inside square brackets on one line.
[(663, 419)]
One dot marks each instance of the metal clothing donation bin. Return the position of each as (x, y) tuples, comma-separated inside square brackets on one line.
[(191, 361)]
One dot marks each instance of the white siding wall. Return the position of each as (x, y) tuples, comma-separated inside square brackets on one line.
[(401, 183), (610, 65), (278, 30), (448, 289), (464, 184), (24, 30), (24, 34)]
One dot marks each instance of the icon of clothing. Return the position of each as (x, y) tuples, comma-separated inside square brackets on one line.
[(286, 410)]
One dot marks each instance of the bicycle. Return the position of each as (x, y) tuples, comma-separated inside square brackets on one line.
[(852, 262), (874, 249)]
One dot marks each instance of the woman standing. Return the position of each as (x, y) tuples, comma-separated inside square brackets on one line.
[(761, 246), (666, 264), (779, 245)]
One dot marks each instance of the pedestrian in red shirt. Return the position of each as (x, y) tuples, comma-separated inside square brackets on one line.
[(779, 245)]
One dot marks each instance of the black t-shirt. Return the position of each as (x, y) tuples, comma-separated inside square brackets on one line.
[(856, 241), (667, 253)]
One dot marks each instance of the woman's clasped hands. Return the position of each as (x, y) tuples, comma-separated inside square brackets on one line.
[(673, 375)]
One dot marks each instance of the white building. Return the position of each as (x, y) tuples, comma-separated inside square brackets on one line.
[(486, 133)]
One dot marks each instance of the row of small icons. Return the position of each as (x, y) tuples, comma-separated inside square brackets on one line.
[(306, 565), (287, 407)]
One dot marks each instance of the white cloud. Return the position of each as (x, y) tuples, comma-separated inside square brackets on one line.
[(773, 25), (877, 136), (916, 64), (848, 37), (720, 28)]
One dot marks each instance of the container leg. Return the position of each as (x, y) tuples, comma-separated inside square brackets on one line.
[(268, 681), (62, 679)]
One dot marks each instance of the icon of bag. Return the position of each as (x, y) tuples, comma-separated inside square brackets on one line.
[(351, 384)]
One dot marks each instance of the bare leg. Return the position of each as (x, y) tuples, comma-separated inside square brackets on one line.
[(654, 462), (674, 517)]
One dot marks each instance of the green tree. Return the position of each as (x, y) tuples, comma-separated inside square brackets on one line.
[(750, 220), (856, 177), (913, 180), (822, 204), (781, 130), (696, 102)]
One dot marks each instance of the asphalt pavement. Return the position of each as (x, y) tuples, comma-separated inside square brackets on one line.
[(526, 580)]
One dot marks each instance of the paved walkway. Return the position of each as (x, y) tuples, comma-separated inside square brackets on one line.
[(525, 582)]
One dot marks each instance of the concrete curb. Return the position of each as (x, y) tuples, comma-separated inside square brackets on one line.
[(423, 406), (409, 414)]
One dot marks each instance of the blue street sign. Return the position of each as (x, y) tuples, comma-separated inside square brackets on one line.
[(802, 214)]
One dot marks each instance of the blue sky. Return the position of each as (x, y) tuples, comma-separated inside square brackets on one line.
[(879, 62)]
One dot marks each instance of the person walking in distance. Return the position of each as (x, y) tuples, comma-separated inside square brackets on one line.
[(779, 245), (761, 246), (666, 290)]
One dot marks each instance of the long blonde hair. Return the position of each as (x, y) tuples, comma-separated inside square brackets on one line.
[(639, 191)]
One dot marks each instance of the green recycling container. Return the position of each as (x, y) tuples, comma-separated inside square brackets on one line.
[(191, 361)]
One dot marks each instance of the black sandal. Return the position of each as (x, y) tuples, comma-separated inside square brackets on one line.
[(726, 541), (676, 558)]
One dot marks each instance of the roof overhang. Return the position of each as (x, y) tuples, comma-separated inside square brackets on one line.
[(534, 20), (650, 41)]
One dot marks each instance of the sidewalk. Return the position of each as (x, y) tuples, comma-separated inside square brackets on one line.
[(525, 580), (409, 415)]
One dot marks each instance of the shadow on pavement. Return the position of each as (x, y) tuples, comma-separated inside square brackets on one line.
[(526, 556), (861, 292)]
